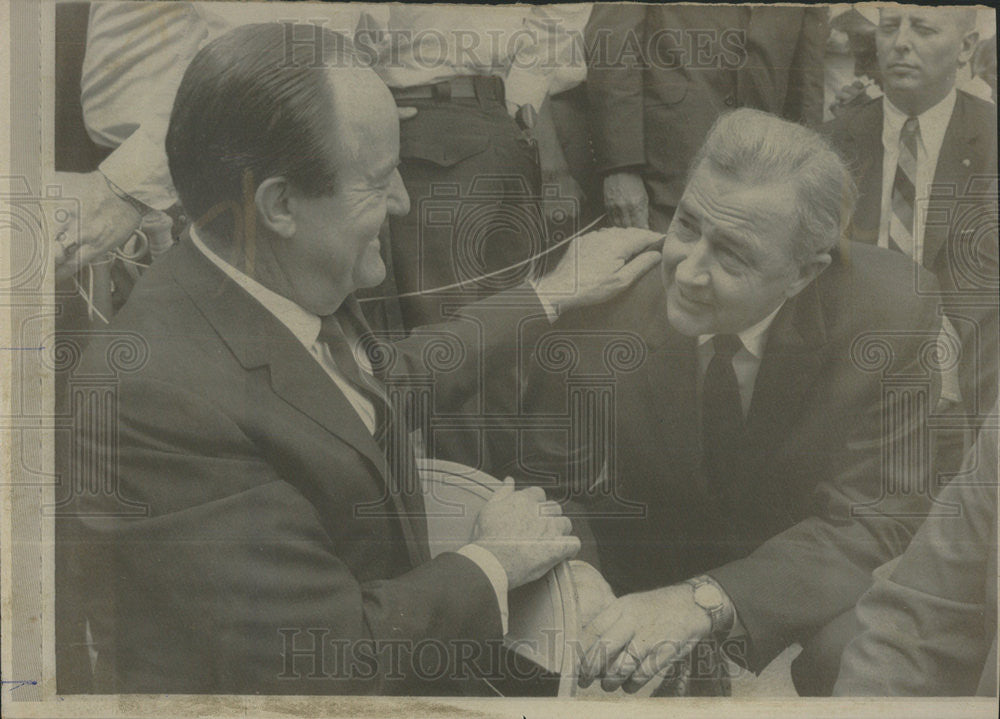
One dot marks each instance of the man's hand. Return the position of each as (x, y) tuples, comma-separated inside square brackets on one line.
[(625, 200), (599, 265), (848, 96), (593, 596), (105, 222), (526, 534), (642, 634)]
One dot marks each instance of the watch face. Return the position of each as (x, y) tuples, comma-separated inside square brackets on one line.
[(708, 596)]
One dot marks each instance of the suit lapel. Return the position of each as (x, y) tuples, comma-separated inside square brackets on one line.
[(257, 339), (961, 149), (788, 369), (671, 376), (669, 380)]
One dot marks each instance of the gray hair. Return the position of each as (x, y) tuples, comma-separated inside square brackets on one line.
[(756, 147)]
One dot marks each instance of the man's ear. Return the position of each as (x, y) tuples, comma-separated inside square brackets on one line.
[(273, 201), (969, 41), (808, 272)]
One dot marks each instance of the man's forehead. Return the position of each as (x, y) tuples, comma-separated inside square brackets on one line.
[(364, 117), (741, 212), (721, 191), (922, 13)]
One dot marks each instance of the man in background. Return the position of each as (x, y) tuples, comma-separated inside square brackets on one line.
[(925, 159), (659, 75)]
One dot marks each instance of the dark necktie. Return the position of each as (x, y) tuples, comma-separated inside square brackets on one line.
[(904, 195), (391, 434), (332, 332), (722, 415)]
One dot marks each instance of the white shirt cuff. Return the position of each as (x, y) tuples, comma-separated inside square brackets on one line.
[(494, 571), (551, 311), (139, 167)]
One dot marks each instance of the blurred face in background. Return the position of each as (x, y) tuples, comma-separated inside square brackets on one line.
[(919, 52)]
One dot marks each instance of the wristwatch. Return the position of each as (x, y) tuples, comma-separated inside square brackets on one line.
[(709, 596)]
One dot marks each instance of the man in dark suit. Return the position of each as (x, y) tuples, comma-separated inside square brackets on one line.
[(754, 449), (659, 74), (937, 203), (281, 542)]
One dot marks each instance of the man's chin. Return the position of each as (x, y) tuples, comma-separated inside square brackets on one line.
[(901, 88), (683, 322), (372, 275)]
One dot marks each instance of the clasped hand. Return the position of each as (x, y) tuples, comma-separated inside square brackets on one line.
[(639, 635)]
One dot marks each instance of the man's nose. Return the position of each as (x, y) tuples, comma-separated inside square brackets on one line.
[(399, 198), (903, 41), (692, 269)]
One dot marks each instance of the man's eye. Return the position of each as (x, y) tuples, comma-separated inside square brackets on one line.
[(730, 259), (686, 225), (888, 27)]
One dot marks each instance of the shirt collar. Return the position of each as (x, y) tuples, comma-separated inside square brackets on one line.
[(933, 123), (753, 337), (300, 322)]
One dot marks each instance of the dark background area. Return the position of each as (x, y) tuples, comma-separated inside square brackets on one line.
[(74, 150)]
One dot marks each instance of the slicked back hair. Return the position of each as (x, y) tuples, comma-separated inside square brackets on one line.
[(758, 148), (253, 104)]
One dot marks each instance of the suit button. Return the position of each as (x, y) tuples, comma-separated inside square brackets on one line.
[(730, 100)]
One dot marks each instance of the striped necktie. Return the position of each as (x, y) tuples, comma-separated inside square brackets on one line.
[(332, 332), (904, 195)]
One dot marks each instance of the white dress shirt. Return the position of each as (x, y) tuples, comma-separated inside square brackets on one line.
[(933, 125), (746, 361), (305, 326)]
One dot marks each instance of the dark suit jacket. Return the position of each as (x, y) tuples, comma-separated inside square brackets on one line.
[(654, 94), (960, 241), (784, 542), (257, 474), (930, 625)]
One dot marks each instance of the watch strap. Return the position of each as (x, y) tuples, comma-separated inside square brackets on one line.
[(720, 615)]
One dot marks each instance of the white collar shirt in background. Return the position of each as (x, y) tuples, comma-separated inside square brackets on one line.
[(933, 125)]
